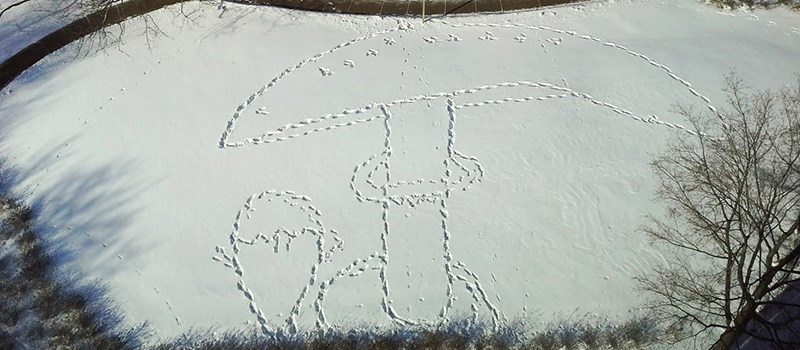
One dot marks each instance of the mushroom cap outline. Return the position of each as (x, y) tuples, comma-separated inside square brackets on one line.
[(269, 136)]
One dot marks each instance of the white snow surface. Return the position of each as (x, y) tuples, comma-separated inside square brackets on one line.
[(285, 169)]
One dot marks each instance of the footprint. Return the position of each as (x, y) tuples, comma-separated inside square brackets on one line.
[(453, 37), (372, 52), (521, 38), (325, 71), (555, 41), (262, 110), (651, 119), (349, 63), (430, 40), (403, 25), (489, 36), (389, 41)]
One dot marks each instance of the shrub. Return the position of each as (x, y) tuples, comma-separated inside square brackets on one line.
[(794, 4), (38, 311)]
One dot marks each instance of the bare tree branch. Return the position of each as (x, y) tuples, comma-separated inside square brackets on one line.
[(733, 217)]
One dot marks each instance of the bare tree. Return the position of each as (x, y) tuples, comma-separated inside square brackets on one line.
[(731, 229)]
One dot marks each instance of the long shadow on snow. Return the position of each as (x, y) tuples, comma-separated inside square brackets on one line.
[(62, 290), (82, 215)]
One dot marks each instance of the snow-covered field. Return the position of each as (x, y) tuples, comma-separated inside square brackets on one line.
[(288, 169)]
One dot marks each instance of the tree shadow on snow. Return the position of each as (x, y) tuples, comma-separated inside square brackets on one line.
[(83, 214), (50, 306)]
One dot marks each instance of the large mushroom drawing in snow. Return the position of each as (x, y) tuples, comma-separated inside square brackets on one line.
[(428, 175)]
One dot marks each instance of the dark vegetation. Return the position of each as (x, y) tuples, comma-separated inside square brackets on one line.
[(794, 4), (571, 334)]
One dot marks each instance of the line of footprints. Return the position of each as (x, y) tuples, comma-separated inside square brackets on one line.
[(521, 38)]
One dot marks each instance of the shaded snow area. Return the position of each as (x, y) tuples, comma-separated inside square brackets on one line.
[(28, 22), (292, 170)]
